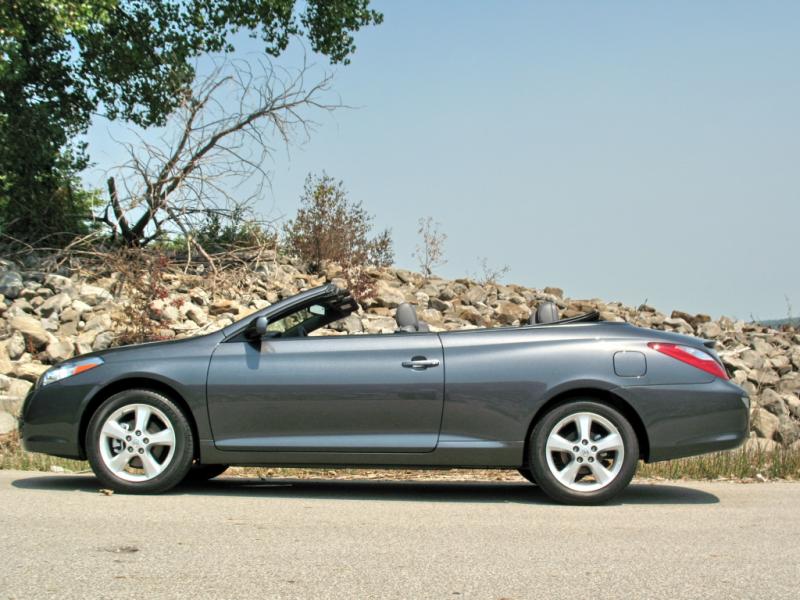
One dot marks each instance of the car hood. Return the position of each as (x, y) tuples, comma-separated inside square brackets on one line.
[(167, 347)]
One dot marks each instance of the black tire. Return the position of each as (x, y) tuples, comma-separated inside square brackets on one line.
[(554, 488), (199, 473), (180, 463), (527, 474)]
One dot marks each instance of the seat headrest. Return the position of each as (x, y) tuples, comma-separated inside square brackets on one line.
[(546, 312), (406, 316)]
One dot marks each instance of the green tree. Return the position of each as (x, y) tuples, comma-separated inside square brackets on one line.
[(61, 61)]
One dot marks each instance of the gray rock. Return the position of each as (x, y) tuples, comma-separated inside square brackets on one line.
[(352, 324), (60, 350), (101, 322), (18, 388), (788, 431), (58, 283), (103, 340), (195, 313), (10, 284), (440, 305), (771, 401), (789, 383), (8, 423), (15, 346), (93, 295), (55, 304), (764, 423), (752, 359), (29, 371), (709, 330), (32, 330), (387, 295), (509, 313), (474, 295), (792, 405)]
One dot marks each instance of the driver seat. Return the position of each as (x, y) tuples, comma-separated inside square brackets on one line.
[(407, 320)]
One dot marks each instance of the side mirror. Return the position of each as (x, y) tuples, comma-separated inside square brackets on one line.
[(257, 328)]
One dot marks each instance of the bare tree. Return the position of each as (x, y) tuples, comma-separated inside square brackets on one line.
[(490, 274), (218, 139), (430, 251)]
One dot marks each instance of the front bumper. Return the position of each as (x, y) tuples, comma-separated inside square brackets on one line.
[(50, 420), (690, 419)]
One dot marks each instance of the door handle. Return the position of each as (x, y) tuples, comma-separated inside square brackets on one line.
[(420, 363)]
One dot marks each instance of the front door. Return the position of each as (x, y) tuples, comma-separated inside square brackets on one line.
[(357, 393)]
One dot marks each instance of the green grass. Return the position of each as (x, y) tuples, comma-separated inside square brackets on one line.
[(742, 463), (739, 464)]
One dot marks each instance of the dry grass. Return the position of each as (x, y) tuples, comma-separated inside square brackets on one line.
[(753, 464)]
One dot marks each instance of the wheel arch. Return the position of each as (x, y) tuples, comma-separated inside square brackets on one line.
[(600, 395), (131, 383)]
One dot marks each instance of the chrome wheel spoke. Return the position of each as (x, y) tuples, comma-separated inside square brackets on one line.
[(119, 461), (601, 475), (143, 413), (150, 464), (584, 423), (568, 474), (165, 437), (608, 443), (557, 443), (114, 430)]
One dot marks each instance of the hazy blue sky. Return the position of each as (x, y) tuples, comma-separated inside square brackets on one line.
[(621, 150)]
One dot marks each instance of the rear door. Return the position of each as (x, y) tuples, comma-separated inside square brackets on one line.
[(357, 393)]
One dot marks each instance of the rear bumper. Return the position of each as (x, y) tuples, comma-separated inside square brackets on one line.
[(685, 420)]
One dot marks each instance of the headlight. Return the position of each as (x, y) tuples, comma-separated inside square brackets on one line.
[(69, 369)]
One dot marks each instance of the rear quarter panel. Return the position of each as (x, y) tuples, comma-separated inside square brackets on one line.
[(496, 380)]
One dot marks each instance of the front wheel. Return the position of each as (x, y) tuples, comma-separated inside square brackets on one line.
[(199, 473), (139, 442), (583, 452), (527, 474)]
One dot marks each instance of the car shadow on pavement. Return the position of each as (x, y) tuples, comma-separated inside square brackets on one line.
[(360, 489)]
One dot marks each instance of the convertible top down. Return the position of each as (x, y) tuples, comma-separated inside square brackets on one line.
[(573, 404)]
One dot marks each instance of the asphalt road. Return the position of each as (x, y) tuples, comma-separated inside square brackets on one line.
[(246, 538)]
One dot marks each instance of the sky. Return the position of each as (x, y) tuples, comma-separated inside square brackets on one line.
[(631, 151)]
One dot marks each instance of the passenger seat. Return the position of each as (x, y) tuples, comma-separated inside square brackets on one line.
[(546, 312), (407, 320)]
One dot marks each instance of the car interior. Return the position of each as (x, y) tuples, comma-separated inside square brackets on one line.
[(303, 322)]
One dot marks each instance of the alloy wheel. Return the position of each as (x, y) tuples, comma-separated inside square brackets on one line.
[(137, 442), (585, 451)]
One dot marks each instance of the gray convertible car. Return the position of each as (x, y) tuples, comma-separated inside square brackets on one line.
[(573, 404)]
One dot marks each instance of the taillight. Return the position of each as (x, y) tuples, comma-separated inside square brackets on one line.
[(691, 356)]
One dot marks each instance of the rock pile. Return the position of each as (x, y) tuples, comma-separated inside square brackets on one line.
[(49, 317)]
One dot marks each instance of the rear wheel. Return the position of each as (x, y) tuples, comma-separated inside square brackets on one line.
[(583, 452), (139, 442)]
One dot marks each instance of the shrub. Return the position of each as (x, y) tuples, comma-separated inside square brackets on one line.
[(329, 227)]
